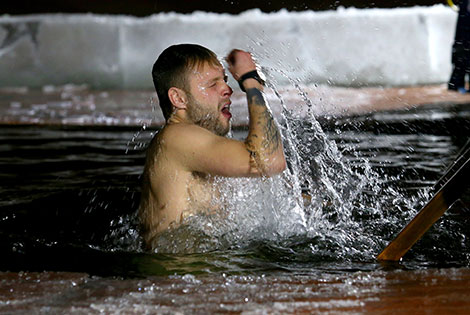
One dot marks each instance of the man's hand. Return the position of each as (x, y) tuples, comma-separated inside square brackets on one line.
[(239, 63)]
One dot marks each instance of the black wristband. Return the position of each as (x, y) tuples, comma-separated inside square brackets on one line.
[(250, 75)]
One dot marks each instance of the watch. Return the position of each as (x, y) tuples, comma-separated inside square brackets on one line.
[(251, 75)]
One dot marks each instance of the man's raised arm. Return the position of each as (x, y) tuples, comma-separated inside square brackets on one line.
[(264, 141)]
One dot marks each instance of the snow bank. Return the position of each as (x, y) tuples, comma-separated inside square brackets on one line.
[(350, 47)]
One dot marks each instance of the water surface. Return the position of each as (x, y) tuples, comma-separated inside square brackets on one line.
[(69, 197)]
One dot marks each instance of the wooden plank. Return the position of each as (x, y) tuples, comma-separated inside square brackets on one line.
[(462, 157), (450, 188)]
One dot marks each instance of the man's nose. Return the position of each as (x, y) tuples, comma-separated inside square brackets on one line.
[(227, 90)]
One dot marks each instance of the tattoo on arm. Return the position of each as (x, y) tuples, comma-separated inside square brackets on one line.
[(271, 136)]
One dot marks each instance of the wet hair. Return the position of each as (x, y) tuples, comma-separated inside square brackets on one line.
[(172, 67)]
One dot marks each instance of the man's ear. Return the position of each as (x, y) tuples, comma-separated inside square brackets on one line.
[(178, 97)]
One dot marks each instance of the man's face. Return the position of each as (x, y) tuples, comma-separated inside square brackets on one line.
[(209, 98)]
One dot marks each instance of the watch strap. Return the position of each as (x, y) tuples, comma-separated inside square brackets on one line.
[(250, 75)]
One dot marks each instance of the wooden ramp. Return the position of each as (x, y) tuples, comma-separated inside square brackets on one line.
[(449, 189)]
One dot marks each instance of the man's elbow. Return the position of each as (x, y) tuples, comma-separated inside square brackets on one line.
[(281, 165), (276, 166)]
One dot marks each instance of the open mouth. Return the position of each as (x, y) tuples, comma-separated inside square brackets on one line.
[(226, 111)]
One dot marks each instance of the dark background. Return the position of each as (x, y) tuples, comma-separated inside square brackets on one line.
[(148, 7)]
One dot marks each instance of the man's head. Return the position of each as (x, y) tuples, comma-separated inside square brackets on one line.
[(175, 69)]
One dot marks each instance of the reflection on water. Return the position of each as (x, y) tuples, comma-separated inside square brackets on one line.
[(69, 195), (358, 293)]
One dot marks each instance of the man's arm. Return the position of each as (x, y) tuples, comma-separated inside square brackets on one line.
[(264, 140)]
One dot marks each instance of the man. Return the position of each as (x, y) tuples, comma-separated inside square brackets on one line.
[(192, 148), (461, 49)]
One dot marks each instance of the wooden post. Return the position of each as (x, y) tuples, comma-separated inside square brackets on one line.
[(450, 187)]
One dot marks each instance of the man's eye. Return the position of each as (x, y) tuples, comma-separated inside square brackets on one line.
[(225, 78)]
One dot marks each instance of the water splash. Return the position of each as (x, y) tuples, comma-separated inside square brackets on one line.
[(322, 207), (135, 143)]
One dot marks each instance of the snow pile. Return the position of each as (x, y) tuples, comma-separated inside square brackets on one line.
[(350, 47)]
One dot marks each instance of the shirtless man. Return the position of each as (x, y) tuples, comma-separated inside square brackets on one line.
[(191, 149)]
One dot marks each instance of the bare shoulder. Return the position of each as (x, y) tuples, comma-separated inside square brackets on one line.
[(172, 146), (184, 129), (186, 136), (174, 133)]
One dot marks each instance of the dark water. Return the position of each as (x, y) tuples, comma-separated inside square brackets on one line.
[(69, 195)]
